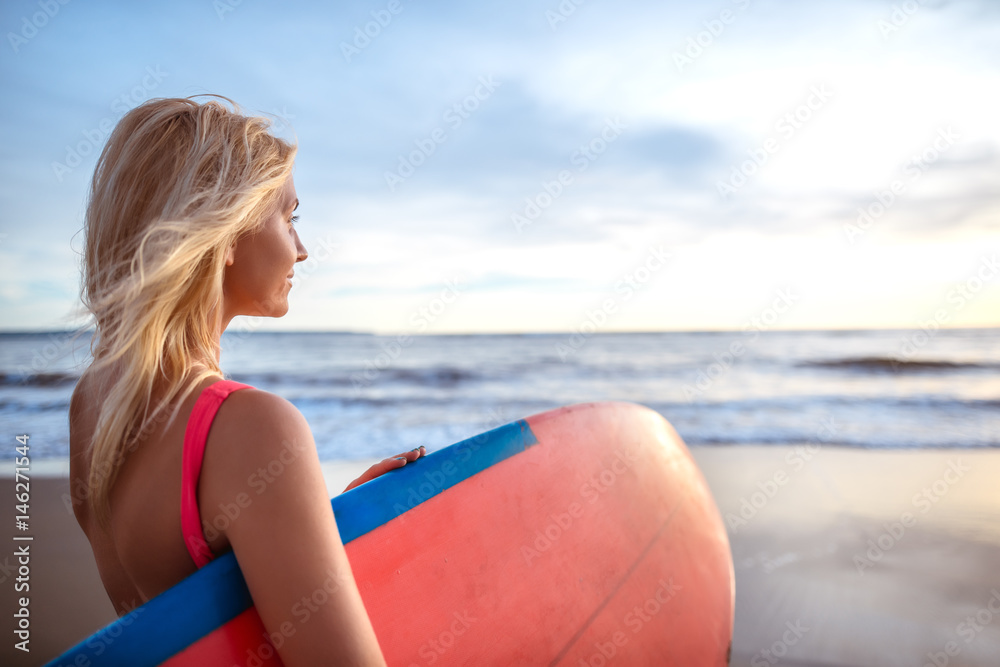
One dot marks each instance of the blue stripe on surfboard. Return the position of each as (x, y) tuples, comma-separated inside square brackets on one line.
[(414, 483), (217, 593)]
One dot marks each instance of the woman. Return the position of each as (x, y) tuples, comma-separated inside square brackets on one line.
[(189, 224)]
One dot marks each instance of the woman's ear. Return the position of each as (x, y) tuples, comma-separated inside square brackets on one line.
[(231, 255)]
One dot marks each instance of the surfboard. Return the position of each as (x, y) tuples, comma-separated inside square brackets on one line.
[(578, 537)]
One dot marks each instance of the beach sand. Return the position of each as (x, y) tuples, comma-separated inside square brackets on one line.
[(839, 559)]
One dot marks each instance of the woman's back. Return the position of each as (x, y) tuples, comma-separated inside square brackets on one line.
[(143, 553)]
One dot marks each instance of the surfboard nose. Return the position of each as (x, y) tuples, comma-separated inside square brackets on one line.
[(594, 537)]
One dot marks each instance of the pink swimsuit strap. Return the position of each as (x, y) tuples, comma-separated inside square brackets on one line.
[(195, 436)]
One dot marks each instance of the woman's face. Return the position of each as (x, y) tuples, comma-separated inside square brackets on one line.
[(259, 268)]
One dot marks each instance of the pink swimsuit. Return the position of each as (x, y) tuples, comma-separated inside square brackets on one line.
[(195, 436)]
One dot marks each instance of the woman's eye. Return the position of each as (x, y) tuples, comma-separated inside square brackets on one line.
[(293, 220)]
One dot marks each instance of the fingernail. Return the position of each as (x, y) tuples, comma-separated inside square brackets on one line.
[(400, 458)]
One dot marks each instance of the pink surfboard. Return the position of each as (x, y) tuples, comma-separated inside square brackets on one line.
[(579, 537)]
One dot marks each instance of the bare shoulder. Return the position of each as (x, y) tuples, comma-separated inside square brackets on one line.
[(256, 438), (255, 412), (77, 400), (80, 431)]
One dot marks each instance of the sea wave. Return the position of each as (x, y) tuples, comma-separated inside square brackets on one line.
[(892, 364), (38, 379)]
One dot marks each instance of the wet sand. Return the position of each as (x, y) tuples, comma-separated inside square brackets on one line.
[(842, 557), (875, 557)]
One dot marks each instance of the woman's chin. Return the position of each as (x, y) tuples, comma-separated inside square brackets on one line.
[(274, 307), (278, 310)]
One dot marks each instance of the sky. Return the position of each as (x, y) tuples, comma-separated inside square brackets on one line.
[(549, 166)]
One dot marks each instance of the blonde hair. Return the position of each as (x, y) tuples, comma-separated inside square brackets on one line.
[(174, 188)]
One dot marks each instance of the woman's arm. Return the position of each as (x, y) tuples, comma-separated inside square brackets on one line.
[(262, 473)]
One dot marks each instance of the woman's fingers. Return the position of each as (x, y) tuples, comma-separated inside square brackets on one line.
[(413, 454), (388, 464)]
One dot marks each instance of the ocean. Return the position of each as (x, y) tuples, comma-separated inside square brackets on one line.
[(371, 396)]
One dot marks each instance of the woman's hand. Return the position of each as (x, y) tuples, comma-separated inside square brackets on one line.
[(388, 464)]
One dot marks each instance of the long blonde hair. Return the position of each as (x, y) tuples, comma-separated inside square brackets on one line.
[(174, 188)]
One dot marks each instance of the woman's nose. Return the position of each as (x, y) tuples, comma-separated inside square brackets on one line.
[(302, 252)]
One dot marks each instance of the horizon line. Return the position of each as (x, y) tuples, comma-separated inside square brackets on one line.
[(347, 332)]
